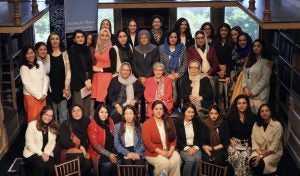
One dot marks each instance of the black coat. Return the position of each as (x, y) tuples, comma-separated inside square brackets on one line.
[(181, 136), (205, 91)]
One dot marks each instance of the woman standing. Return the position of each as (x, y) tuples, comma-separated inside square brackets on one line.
[(215, 137), (158, 87), (106, 24), (196, 88), (104, 67), (128, 138), (240, 120), (159, 137), (132, 33), (256, 75), (60, 76), (188, 130), (182, 27), (173, 56), (209, 31), (124, 51), (101, 137), (35, 83), (41, 54), (73, 139), (81, 69), (123, 90), (266, 143), (40, 140), (158, 35)]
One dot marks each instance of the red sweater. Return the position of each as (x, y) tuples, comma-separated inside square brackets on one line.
[(151, 137), (97, 137)]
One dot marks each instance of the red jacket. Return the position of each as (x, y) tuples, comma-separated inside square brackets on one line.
[(211, 58), (151, 137), (97, 137), (150, 92)]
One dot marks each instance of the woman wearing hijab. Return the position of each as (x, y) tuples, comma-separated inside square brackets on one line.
[(215, 137), (173, 56), (144, 56), (196, 88), (105, 66), (123, 90), (73, 139), (81, 69)]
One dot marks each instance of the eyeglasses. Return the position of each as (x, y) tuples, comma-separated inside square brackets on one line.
[(194, 68)]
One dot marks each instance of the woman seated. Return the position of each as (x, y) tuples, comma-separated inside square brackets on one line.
[(73, 139), (266, 143), (40, 140), (188, 130), (240, 121), (123, 90), (215, 137), (196, 87), (158, 87), (128, 137), (159, 137), (102, 151)]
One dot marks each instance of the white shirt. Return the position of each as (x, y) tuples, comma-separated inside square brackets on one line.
[(129, 135), (189, 134), (162, 134)]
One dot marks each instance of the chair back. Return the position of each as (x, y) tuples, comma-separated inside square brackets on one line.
[(68, 168), (209, 169), (132, 170)]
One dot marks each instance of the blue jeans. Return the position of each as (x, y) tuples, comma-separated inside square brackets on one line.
[(60, 111), (191, 163)]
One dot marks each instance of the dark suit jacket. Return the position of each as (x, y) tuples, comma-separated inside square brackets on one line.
[(181, 136)]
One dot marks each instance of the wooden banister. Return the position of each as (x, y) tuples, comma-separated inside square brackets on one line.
[(267, 11)]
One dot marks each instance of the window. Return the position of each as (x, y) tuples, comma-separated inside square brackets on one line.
[(234, 16), (106, 14), (42, 28), (195, 15)]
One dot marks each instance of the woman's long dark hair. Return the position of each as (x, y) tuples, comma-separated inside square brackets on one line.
[(96, 114), (137, 26), (188, 29), (160, 19), (169, 34), (78, 31), (259, 119), (25, 62), (127, 42), (108, 22), (233, 113), (136, 123), (41, 126), (49, 46), (228, 38), (186, 106), (252, 57), (212, 35), (170, 131)]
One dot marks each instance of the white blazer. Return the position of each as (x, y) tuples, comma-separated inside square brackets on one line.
[(34, 141)]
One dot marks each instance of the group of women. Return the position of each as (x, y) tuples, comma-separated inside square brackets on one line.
[(158, 71)]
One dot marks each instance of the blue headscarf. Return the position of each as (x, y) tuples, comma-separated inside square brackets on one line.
[(243, 52)]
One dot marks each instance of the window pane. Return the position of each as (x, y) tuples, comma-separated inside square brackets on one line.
[(234, 16), (195, 15), (42, 29), (106, 14)]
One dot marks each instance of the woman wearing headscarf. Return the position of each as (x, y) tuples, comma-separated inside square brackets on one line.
[(123, 90), (196, 88), (144, 56), (104, 67), (73, 139)]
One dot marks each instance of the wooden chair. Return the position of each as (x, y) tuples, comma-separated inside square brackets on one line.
[(68, 168), (209, 169), (132, 170)]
